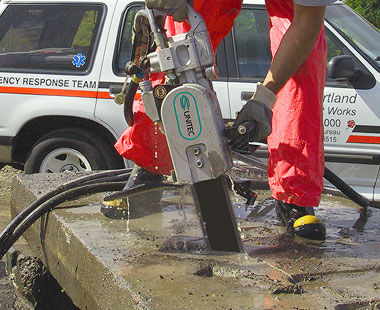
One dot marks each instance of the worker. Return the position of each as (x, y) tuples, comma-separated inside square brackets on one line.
[(297, 77), (287, 106)]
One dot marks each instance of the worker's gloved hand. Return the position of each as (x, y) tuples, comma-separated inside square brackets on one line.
[(258, 112), (175, 8)]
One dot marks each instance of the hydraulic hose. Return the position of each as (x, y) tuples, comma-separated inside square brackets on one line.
[(146, 187), (346, 189), (118, 178), (62, 188), (49, 205), (129, 97)]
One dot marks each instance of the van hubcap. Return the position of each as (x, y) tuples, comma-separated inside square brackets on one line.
[(65, 159)]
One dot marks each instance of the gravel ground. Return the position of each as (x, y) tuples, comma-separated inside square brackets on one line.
[(8, 298)]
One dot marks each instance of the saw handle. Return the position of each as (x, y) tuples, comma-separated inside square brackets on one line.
[(237, 137), (194, 19)]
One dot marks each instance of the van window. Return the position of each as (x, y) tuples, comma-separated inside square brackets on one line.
[(332, 48), (124, 48), (251, 30), (252, 45), (362, 35), (49, 37)]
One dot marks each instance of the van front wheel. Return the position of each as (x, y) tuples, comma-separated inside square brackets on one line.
[(69, 149)]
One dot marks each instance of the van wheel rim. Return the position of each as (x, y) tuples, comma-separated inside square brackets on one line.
[(65, 159)]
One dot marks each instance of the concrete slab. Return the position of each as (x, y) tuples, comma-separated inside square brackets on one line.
[(158, 260)]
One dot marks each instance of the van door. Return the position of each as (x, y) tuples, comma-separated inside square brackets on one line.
[(350, 127), (351, 105)]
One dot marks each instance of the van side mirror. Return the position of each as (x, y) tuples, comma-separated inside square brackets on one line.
[(341, 67)]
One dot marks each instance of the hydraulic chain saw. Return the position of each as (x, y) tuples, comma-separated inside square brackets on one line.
[(188, 111)]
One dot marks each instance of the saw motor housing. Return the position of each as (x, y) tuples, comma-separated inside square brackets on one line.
[(189, 111)]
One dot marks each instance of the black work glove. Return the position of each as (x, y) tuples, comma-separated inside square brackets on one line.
[(175, 8), (257, 114)]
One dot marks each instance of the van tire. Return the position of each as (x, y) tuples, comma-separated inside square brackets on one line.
[(90, 153)]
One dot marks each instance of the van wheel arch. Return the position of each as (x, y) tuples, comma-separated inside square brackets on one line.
[(36, 128), (71, 149)]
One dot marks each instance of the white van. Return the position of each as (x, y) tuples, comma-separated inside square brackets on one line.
[(61, 63)]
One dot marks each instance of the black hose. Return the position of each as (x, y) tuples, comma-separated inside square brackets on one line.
[(118, 178), (49, 205), (145, 187), (129, 98), (64, 187), (346, 189)]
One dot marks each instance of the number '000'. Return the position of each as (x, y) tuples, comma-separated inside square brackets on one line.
[(331, 122)]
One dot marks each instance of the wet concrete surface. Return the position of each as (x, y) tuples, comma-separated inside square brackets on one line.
[(158, 258)]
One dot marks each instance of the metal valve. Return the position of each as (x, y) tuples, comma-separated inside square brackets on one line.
[(119, 98)]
